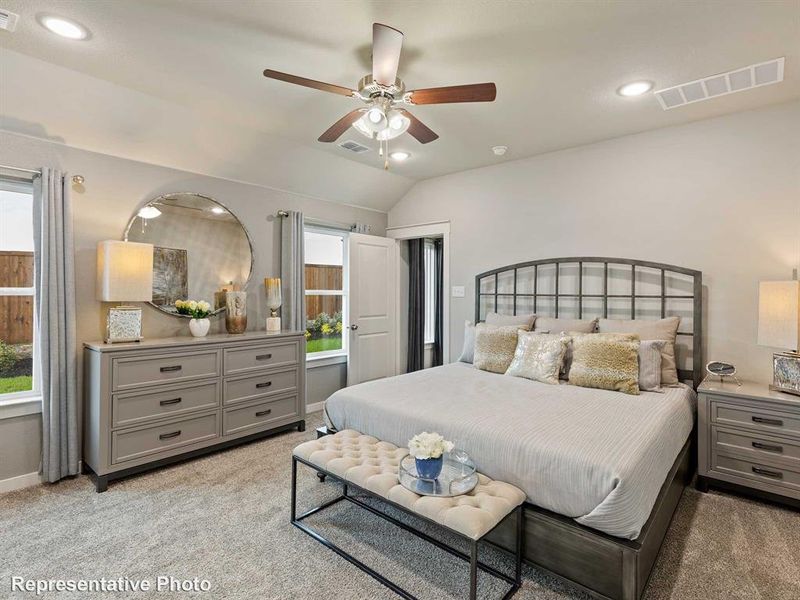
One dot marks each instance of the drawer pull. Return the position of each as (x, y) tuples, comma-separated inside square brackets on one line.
[(264, 385), (263, 356), (767, 473), (262, 413), (172, 368), (171, 434), (767, 447), (171, 401), (766, 421)]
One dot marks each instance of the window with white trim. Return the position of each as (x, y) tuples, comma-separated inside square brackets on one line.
[(326, 292), (429, 256), (17, 361)]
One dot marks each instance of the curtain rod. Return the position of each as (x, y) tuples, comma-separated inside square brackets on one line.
[(76, 179), (322, 223)]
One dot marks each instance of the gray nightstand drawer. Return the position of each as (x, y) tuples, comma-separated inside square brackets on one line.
[(133, 408), (756, 447), (260, 386), (780, 476), (131, 444), (236, 420), (239, 361), (132, 373), (755, 417)]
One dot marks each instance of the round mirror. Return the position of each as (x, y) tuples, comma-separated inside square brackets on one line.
[(200, 249)]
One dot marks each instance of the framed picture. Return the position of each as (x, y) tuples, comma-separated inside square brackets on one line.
[(786, 372), (170, 275)]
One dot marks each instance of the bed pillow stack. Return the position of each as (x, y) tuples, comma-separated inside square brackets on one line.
[(497, 320), (665, 330)]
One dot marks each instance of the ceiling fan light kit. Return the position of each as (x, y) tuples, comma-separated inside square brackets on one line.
[(382, 91)]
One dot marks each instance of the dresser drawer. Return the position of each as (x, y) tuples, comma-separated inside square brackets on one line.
[(755, 446), (239, 361), (134, 408), (780, 476), (755, 417), (269, 384), (132, 373), (131, 444), (236, 420)]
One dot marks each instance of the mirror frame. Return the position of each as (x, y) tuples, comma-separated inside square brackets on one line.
[(230, 212)]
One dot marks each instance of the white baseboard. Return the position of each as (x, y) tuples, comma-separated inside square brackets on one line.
[(19, 482), (315, 407)]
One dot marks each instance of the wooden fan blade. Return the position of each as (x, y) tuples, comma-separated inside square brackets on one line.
[(335, 131), (387, 43), (476, 92), (317, 85), (419, 130)]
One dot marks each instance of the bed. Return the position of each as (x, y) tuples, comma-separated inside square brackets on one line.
[(603, 471)]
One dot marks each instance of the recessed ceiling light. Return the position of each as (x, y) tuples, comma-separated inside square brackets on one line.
[(64, 27), (499, 150), (637, 88), (399, 155), (217, 210)]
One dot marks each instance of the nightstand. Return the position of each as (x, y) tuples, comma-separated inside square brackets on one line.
[(749, 440)]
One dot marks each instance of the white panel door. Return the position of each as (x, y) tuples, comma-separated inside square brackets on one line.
[(373, 310)]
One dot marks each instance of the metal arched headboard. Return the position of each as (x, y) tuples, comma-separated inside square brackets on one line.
[(503, 284)]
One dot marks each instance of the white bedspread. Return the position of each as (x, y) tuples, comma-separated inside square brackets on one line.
[(597, 456)]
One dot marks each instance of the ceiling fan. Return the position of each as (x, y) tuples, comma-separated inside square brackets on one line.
[(383, 118)]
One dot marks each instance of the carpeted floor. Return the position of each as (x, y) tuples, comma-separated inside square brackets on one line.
[(224, 518)]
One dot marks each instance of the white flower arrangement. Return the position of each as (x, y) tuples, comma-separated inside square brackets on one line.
[(428, 445), (197, 309)]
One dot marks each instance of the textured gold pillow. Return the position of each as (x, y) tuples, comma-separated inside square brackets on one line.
[(607, 364), (662, 329), (494, 347), (606, 336), (538, 356)]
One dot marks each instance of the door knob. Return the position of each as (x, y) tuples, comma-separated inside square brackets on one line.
[(353, 326)]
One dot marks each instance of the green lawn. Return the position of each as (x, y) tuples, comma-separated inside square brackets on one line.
[(322, 344), (9, 385)]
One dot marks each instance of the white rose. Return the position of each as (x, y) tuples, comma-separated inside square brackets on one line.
[(192, 305), (203, 305)]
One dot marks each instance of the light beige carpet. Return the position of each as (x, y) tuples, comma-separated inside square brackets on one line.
[(225, 517)]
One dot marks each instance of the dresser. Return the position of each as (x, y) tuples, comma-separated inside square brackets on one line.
[(158, 401), (749, 440)]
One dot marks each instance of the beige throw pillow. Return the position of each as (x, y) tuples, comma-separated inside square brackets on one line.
[(494, 347), (538, 356), (663, 329), (607, 364), (558, 325), (520, 321)]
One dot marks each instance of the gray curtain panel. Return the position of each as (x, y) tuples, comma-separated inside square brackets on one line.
[(55, 313), (293, 272), (416, 305), (438, 326)]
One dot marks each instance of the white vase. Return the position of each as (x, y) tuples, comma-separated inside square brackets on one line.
[(199, 327)]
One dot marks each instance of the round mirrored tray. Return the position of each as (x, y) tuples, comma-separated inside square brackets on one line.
[(458, 477)]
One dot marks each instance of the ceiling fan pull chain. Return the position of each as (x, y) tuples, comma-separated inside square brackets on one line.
[(386, 156)]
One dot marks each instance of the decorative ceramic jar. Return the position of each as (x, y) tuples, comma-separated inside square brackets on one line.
[(236, 312), (199, 327), (429, 468)]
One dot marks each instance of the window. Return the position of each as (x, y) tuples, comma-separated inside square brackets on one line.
[(429, 256), (326, 292), (16, 290)]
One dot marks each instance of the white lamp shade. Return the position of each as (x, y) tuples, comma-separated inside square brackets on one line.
[(779, 314), (124, 271)]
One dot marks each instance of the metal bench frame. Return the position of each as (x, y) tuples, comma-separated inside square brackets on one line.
[(472, 557)]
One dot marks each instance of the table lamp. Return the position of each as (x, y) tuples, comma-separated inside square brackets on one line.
[(779, 327), (124, 274)]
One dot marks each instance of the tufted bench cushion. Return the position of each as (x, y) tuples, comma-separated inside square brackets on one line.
[(373, 465)]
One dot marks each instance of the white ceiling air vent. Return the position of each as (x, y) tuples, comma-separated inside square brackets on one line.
[(722, 84), (8, 20), (354, 146)]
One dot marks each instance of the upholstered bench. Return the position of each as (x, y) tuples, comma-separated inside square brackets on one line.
[(370, 466)]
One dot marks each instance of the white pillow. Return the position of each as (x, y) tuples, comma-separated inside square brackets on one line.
[(468, 351), (538, 356), (650, 364)]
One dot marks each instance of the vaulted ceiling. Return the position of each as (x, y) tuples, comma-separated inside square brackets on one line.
[(164, 72)]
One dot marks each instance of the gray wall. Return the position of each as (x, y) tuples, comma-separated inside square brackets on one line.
[(113, 189), (721, 195)]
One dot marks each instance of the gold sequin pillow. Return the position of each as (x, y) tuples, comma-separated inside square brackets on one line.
[(538, 356), (607, 364), (494, 347)]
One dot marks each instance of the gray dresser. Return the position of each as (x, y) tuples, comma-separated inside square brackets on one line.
[(749, 440), (158, 401)]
